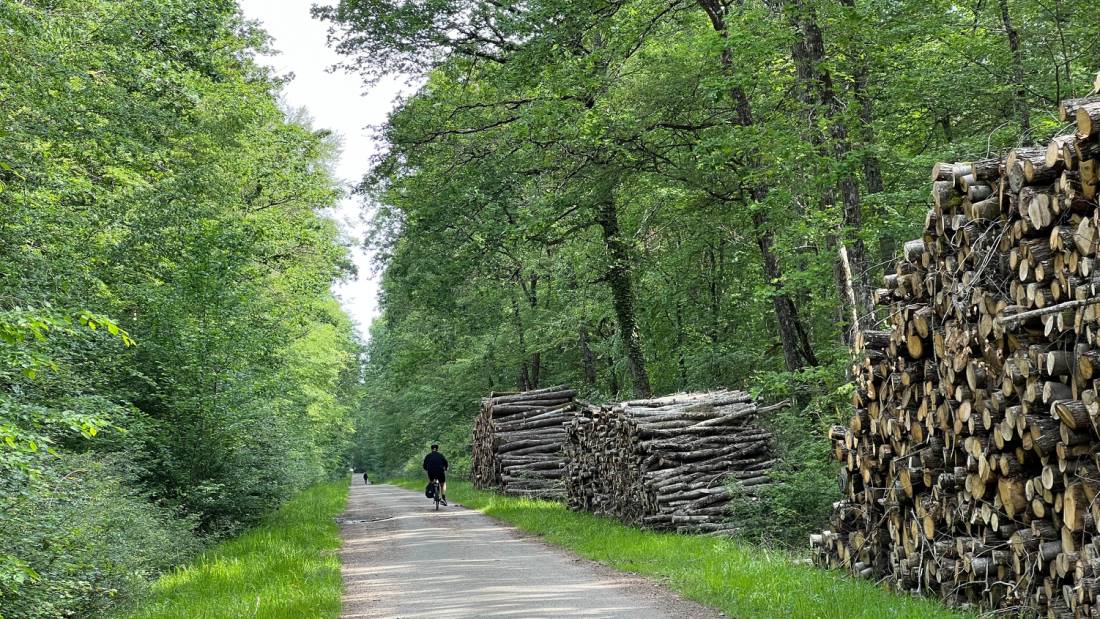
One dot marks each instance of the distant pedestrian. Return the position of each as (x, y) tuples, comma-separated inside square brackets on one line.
[(366, 480)]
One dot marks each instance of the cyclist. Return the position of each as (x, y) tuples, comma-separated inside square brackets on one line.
[(436, 466)]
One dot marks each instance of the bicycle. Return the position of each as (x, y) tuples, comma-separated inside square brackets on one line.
[(437, 494)]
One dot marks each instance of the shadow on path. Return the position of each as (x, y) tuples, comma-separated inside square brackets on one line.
[(401, 558)]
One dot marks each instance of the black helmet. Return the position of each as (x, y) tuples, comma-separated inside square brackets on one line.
[(435, 445)]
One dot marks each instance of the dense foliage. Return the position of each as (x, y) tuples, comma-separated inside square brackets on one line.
[(655, 195), (172, 363)]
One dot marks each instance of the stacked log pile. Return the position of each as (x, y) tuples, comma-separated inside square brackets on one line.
[(519, 439), (972, 463), (668, 463)]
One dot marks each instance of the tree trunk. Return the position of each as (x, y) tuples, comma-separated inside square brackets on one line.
[(797, 352), (714, 260), (817, 86), (534, 362), (681, 362), (872, 167), (622, 294), (536, 370), (522, 381), (491, 367), (796, 347), (1020, 102), (588, 359), (613, 377)]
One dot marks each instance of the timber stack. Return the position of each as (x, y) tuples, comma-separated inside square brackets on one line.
[(519, 439), (668, 463), (971, 467)]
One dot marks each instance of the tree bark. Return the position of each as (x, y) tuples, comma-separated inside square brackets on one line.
[(808, 53), (715, 260), (1020, 102), (536, 357), (797, 351), (522, 380), (588, 359), (872, 167), (491, 366), (622, 294), (613, 376), (681, 361), (534, 362)]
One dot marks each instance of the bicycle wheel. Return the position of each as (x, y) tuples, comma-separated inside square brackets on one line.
[(437, 499)]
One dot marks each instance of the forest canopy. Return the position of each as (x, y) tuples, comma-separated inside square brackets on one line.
[(639, 196)]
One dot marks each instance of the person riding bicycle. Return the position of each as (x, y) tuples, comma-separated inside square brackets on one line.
[(436, 466)]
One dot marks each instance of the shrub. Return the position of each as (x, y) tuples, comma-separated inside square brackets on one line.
[(800, 499), (91, 543)]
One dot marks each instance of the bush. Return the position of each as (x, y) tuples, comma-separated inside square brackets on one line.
[(91, 542), (800, 499), (796, 505)]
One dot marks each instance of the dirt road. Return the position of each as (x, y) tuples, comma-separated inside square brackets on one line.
[(402, 559)]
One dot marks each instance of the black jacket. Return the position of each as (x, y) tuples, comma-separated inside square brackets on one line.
[(435, 463)]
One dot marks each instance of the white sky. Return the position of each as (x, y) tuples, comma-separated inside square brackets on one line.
[(335, 101)]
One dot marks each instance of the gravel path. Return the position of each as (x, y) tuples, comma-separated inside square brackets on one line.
[(402, 559)]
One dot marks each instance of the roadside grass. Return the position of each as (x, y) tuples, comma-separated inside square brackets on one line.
[(742, 580), (285, 568)]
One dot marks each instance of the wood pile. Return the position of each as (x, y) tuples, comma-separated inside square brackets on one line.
[(519, 439), (972, 463), (668, 463)]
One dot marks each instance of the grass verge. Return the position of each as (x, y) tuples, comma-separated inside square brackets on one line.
[(284, 568), (742, 580)]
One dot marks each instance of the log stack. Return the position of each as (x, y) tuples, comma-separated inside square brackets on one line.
[(971, 467), (668, 463), (519, 439)]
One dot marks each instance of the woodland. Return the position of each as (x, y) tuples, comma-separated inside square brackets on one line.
[(638, 197), (631, 197), (172, 362)]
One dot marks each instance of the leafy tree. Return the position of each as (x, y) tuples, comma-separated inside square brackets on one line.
[(172, 361), (640, 195)]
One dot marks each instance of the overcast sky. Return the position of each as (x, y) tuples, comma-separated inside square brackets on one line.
[(335, 101)]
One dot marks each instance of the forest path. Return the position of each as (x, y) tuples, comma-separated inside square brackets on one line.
[(401, 558)]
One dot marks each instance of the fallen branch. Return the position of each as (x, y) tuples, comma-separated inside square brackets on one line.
[(1053, 309)]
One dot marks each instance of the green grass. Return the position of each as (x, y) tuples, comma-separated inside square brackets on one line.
[(286, 567), (743, 580)]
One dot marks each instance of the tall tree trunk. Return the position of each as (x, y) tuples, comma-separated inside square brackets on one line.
[(1017, 73), (536, 371), (532, 291), (808, 53), (613, 377), (522, 380), (681, 361), (872, 167), (797, 352), (715, 297), (491, 366), (622, 295), (588, 358)]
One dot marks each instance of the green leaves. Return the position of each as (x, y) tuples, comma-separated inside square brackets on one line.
[(165, 304)]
